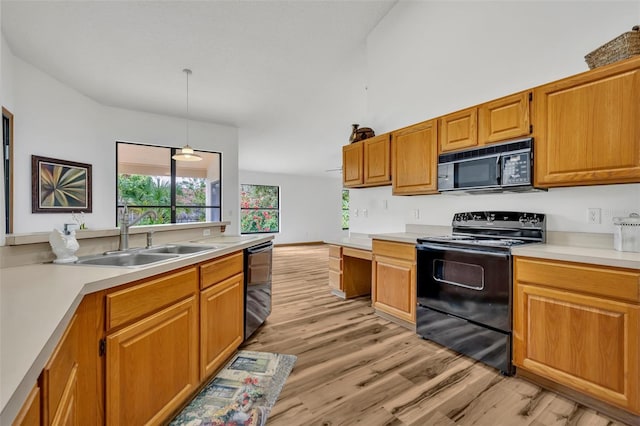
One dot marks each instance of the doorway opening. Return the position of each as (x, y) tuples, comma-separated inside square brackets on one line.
[(7, 157)]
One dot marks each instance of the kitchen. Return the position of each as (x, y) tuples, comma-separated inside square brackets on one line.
[(58, 115)]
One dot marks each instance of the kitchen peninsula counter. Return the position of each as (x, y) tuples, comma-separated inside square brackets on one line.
[(38, 301)]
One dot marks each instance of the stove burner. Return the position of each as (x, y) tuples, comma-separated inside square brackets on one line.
[(493, 229)]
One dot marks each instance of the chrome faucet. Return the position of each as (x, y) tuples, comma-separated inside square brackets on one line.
[(125, 224)]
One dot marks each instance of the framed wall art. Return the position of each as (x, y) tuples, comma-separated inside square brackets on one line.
[(60, 186)]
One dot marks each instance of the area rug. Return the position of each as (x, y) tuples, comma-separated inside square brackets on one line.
[(242, 393)]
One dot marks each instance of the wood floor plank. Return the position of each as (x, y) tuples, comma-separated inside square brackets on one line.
[(355, 367)]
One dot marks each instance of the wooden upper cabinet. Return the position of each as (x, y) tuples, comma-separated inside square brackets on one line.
[(415, 159), (367, 163), (353, 164), (587, 128), (505, 118), (377, 160), (459, 130)]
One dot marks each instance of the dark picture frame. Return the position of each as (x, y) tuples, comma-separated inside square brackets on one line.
[(60, 186)]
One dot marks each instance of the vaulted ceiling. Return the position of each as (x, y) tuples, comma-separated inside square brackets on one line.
[(291, 75)]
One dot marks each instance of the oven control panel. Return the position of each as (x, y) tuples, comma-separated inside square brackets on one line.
[(512, 220), (516, 169)]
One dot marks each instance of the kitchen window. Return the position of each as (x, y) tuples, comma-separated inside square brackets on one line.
[(259, 209), (178, 192), (345, 209)]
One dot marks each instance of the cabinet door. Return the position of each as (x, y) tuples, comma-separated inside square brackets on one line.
[(67, 414), (30, 414), (393, 289), (504, 118), (415, 159), (459, 130), (588, 128), (152, 365), (587, 343), (353, 164), (377, 160), (59, 372), (221, 323)]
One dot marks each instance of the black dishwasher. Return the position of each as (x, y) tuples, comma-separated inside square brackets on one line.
[(257, 286)]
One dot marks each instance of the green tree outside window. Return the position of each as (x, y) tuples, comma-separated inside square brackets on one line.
[(259, 209)]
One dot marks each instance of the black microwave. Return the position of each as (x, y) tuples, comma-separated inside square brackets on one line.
[(501, 167)]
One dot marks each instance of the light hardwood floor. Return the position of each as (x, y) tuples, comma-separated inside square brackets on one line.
[(354, 367)]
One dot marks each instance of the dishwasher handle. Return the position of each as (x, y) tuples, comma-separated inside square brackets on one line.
[(260, 248)]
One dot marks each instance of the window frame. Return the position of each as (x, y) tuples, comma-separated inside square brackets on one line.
[(173, 207), (260, 208), (345, 210)]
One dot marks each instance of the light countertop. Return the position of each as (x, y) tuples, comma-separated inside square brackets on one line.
[(38, 301), (596, 256), (569, 253)]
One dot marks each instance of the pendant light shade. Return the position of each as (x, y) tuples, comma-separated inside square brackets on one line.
[(186, 153)]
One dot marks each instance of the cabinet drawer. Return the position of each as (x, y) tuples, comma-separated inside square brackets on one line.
[(134, 302), (335, 264), (220, 269), (335, 280), (614, 283), (335, 251), (393, 249)]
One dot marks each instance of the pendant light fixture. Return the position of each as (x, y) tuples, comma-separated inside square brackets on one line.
[(186, 153)]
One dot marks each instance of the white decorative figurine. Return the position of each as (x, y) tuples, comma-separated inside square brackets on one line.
[(64, 246)]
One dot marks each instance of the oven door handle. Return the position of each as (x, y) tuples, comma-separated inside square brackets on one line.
[(430, 247)]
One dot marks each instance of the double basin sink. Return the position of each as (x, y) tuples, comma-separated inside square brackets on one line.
[(144, 256)]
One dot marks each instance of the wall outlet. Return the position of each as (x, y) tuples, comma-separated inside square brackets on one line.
[(355, 212), (385, 204), (594, 216), (416, 214), (206, 232), (365, 213)]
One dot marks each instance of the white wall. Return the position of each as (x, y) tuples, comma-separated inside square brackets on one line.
[(430, 58), (53, 120), (310, 207)]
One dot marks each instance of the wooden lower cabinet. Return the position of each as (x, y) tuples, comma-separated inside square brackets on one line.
[(394, 279), (152, 365), (30, 413), (163, 338), (567, 331), (67, 413), (349, 271), (221, 323)]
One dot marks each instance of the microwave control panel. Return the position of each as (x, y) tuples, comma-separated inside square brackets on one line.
[(516, 169)]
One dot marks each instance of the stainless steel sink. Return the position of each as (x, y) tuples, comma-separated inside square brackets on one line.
[(125, 259), (180, 248), (141, 257)]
